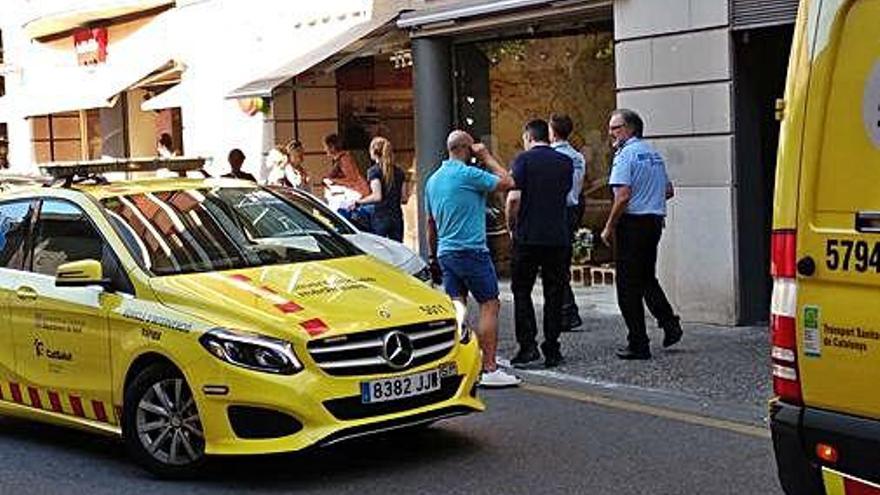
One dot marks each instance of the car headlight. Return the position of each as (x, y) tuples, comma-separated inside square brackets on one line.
[(464, 329), (424, 275), (255, 352)]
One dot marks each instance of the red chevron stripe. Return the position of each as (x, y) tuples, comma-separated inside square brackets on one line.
[(16, 392), (35, 397), (77, 406), (100, 413), (55, 402)]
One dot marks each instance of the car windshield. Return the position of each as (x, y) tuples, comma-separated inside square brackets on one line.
[(211, 229), (318, 210)]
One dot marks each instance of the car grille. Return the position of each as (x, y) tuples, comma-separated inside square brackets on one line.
[(361, 353), (348, 408)]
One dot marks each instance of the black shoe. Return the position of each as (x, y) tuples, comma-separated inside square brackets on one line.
[(573, 324), (672, 333), (553, 360), (628, 354), (525, 357)]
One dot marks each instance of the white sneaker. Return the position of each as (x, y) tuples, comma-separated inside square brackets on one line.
[(498, 379)]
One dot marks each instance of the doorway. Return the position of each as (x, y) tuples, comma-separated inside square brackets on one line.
[(761, 61)]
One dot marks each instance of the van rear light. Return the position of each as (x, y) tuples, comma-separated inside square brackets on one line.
[(783, 317), (827, 453), (783, 254), (783, 354)]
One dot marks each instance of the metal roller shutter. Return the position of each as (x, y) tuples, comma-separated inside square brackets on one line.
[(750, 14)]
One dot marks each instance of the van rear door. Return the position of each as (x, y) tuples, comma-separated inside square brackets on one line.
[(839, 213)]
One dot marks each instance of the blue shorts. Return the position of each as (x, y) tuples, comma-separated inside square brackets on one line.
[(469, 271)]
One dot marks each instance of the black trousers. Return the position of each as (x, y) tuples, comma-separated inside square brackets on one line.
[(552, 262), (569, 306), (637, 238)]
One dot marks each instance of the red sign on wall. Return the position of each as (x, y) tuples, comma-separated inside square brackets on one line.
[(90, 45)]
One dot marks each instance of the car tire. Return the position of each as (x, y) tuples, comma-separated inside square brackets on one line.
[(161, 426)]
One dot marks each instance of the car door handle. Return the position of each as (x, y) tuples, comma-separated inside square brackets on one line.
[(26, 293)]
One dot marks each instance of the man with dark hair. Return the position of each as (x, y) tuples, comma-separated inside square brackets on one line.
[(344, 171), (236, 160), (537, 219), (641, 189), (561, 128)]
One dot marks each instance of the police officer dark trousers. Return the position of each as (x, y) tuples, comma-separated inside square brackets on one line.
[(638, 237)]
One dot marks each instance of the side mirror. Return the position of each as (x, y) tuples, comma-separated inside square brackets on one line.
[(81, 274)]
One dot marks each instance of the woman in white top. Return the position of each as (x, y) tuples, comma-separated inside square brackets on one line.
[(281, 171)]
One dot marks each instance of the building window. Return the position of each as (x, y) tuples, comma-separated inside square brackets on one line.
[(67, 136)]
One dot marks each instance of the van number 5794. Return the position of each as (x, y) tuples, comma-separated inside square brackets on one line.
[(848, 255)]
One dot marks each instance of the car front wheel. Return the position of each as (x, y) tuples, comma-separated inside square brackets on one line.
[(161, 424)]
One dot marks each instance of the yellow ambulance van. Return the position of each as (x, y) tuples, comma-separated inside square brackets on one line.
[(825, 323)]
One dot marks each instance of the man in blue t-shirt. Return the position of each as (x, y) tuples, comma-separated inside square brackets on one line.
[(641, 189), (537, 216), (455, 195)]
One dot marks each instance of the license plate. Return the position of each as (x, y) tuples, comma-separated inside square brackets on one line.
[(400, 387)]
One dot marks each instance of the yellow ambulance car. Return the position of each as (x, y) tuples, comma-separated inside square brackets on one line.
[(199, 317), (826, 255)]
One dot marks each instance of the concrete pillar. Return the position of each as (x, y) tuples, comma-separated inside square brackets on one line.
[(674, 67), (432, 67)]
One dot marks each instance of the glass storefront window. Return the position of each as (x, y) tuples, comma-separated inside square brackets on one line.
[(60, 137), (57, 137), (502, 84)]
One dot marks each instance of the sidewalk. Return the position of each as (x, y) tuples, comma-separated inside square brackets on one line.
[(715, 370)]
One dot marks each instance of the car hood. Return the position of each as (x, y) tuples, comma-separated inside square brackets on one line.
[(387, 250), (307, 300)]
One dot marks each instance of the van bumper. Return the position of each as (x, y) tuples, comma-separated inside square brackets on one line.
[(798, 474), (796, 430)]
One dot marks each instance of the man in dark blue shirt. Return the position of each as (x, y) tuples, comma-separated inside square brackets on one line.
[(537, 219)]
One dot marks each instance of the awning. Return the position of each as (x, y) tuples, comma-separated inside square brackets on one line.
[(265, 83), (170, 98), (53, 88), (48, 17), (483, 15)]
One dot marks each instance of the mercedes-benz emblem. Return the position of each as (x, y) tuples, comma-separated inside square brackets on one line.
[(397, 349), (384, 313)]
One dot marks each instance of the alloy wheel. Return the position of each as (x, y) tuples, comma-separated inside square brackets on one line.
[(168, 423)]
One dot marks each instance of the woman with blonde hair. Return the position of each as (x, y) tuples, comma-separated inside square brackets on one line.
[(282, 171), (388, 190)]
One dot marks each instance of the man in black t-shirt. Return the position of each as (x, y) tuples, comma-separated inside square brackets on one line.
[(537, 219)]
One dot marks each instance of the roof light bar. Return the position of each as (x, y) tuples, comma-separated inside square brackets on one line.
[(66, 170), (10, 181)]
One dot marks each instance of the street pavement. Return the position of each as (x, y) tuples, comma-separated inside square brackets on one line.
[(691, 421), (715, 370), (533, 440)]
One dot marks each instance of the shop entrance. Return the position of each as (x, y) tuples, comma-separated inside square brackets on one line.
[(358, 94), (761, 61), (501, 84)]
